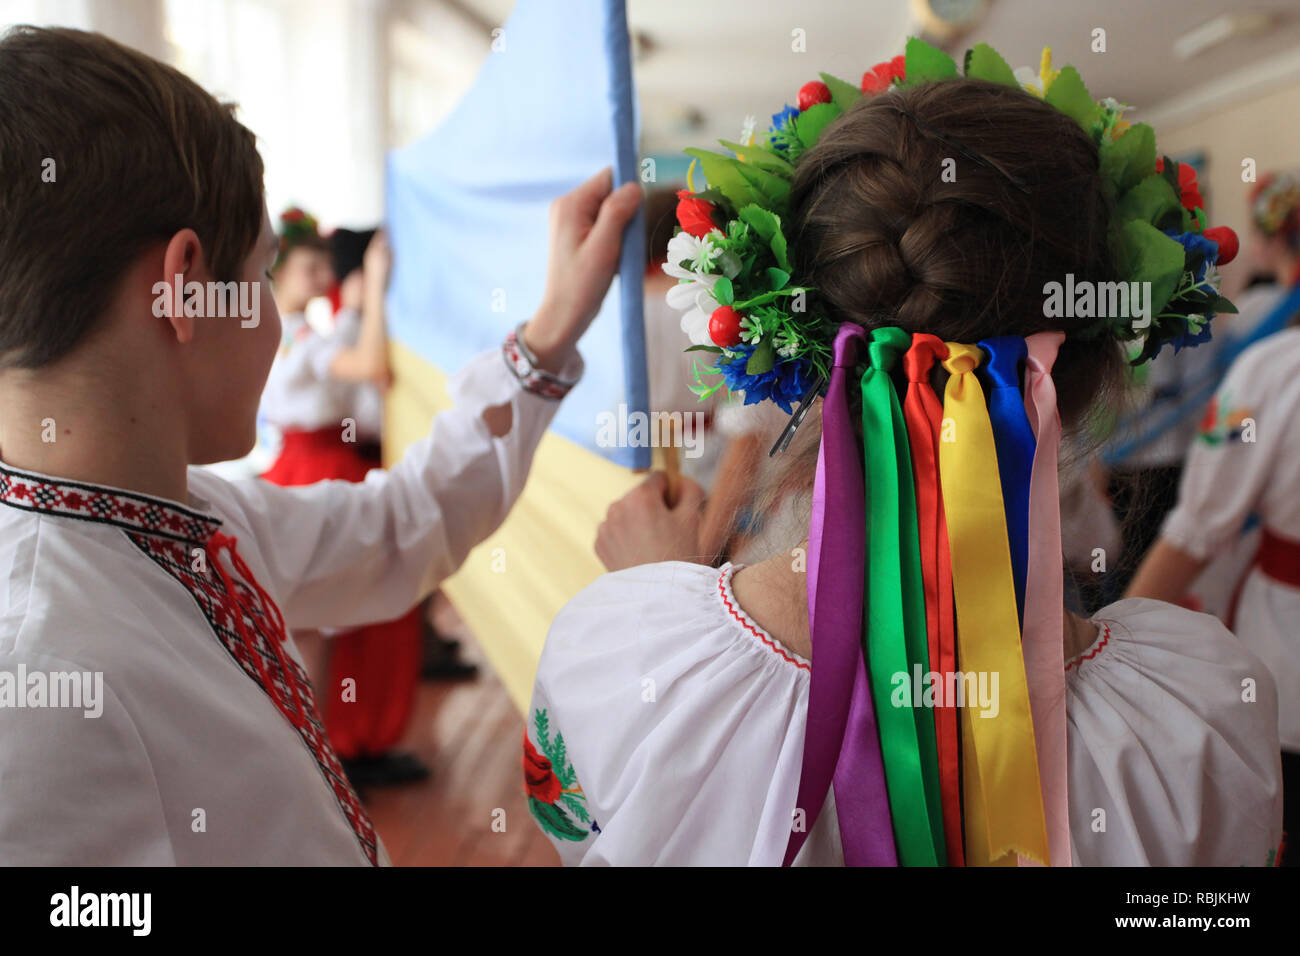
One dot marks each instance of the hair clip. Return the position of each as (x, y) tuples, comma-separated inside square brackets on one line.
[(805, 403)]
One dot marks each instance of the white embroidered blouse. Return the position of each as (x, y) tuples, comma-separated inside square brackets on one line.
[(666, 727)]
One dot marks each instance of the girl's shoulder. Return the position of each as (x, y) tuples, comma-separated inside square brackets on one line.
[(671, 607), (1173, 742), (665, 725), (1135, 630)]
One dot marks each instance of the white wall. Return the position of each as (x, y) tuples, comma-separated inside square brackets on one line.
[(328, 86)]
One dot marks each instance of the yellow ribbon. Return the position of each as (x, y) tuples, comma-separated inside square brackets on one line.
[(1003, 798)]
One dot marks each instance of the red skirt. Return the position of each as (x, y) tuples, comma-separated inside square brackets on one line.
[(383, 660), (308, 457)]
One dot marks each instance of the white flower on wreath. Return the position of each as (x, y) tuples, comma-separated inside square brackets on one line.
[(704, 257), (787, 344), (695, 321), (1028, 77), (693, 294), (747, 131)]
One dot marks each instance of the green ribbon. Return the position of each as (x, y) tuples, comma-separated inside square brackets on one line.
[(896, 638)]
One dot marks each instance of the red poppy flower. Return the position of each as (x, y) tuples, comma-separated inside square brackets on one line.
[(695, 215), (1189, 193), (539, 780), (879, 77)]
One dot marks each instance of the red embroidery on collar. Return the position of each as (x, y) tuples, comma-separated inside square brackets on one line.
[(124, 509), (250, 617), (744, 622), (1096, 649), (168, 534)]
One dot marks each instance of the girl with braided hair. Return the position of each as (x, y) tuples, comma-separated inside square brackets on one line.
[(903, 685)]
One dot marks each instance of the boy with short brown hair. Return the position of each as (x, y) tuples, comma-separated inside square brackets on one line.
[(152, 708)]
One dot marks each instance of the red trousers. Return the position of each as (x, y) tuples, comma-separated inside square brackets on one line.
[(383, 660)]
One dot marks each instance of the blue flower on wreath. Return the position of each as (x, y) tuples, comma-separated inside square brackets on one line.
[(785, 383), (1207, 250), (1195, 243), (781, 120)]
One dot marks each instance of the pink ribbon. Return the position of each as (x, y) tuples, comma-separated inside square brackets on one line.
[(1043, 642)]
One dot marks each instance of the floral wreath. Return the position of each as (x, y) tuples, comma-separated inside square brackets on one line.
[(1276, 204), (772, 338), (296, 226)]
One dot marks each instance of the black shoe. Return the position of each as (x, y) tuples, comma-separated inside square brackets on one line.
[(385, 770), (449, 667), (435, 643)]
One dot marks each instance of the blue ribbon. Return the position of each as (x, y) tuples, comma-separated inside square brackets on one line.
[(1015, 444)]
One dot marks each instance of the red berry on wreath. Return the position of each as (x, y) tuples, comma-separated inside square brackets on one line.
[(724, 326), (1227, 242), (812, 93)]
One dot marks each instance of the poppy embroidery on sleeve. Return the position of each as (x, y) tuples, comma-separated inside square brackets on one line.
[(1222, 422), (555, 799)]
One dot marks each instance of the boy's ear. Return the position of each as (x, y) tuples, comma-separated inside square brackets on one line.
[(183, 262)]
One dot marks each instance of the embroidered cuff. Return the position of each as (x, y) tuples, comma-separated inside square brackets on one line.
[(524, 365)]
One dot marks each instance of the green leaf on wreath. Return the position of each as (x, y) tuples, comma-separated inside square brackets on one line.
[(1130, 159), (985, 63), (723, 174), (1145, 254), (810, 123), (843, 94), (779, 250), (760, 156), (1151, 200), (723, 292), (776, 189), (923, 63), (762, 360), (777, 278), (1068, 94)]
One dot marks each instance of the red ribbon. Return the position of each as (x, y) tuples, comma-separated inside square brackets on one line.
[(923, 414)]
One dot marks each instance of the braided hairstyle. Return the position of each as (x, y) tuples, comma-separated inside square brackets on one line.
[(886, 239), (945, 208)]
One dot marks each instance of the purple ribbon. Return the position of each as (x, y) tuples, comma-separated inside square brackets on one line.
[(841, 742)]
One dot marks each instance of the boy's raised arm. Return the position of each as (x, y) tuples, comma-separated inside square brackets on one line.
[(337, 554)]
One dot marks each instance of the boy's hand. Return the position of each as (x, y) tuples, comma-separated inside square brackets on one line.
[(640, 528), (586, 238), (377, 261)]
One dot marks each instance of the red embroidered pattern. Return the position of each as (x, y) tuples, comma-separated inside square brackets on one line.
[(291, 690), (1105, 639), (167, 533), (121, 508), (740, 619)]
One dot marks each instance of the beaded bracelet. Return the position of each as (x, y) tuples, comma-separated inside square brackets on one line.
[(524, 364)]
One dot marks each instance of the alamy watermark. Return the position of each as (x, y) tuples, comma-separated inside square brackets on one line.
[(975, 689), (83, 690), (1098, 300), (651, 430), (213, 300)]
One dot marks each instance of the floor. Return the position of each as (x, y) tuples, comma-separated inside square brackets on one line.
[(471, 810)]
